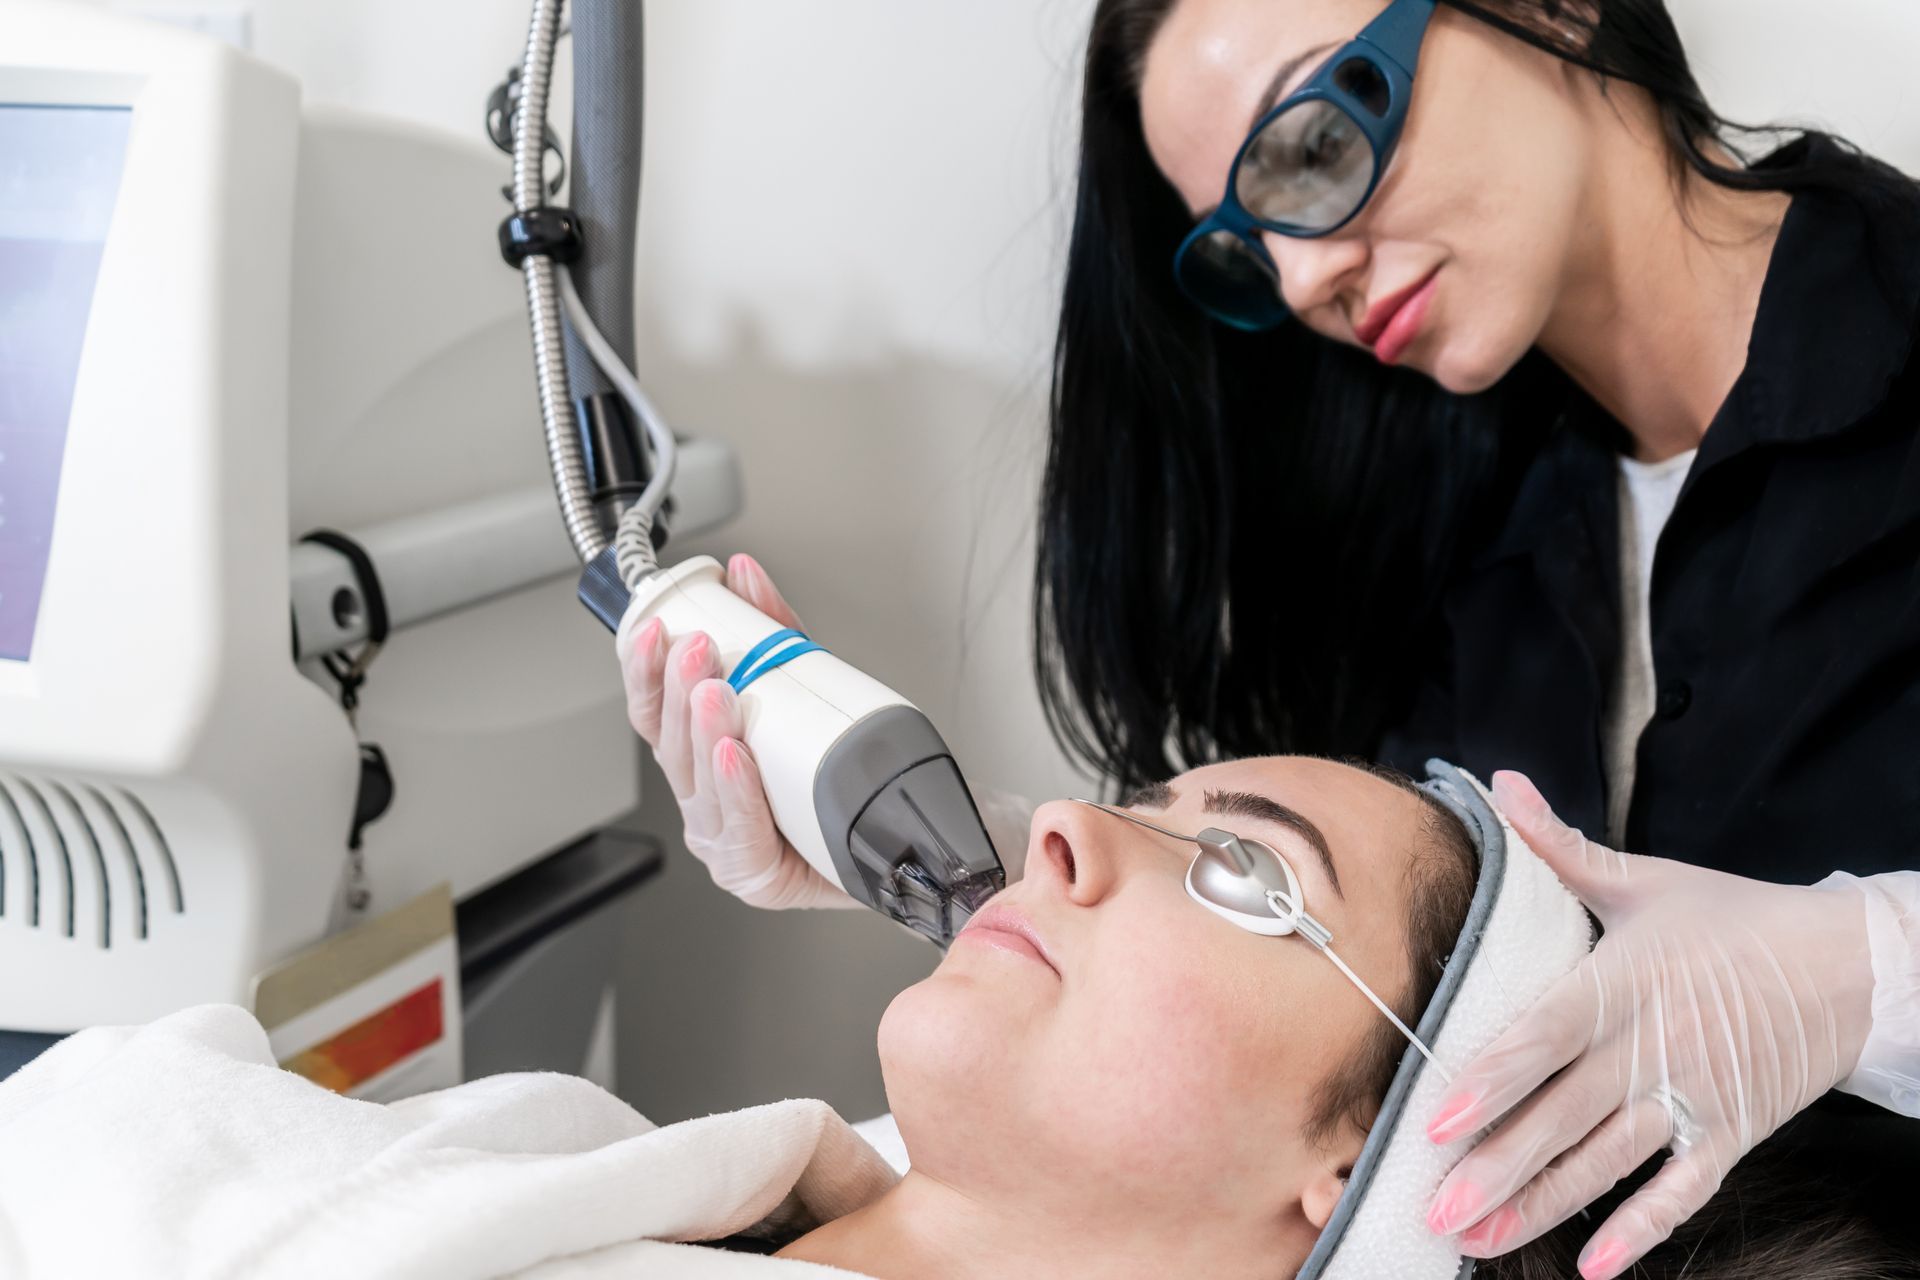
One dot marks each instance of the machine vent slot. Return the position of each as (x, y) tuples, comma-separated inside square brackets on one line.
[(118, 830), (43, 851), (89, 843), (167, 864), (46, 823), (16, 846)]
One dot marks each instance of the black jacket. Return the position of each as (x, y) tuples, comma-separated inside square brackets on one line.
[(1785, 610)]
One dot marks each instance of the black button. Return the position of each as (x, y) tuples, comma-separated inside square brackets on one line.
[(1675, 697)]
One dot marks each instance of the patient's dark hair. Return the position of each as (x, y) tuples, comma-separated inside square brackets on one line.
[(1767, 1219), (1440, 873)]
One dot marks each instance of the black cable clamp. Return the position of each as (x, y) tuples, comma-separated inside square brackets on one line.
[(548, 231), (503, 108), (353, 674), (374, 795)]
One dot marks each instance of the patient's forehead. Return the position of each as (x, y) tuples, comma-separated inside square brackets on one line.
[(1371, 824)]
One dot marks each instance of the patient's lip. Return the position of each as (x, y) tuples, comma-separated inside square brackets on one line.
[(1002, 925)]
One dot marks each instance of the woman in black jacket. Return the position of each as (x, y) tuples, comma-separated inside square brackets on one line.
[(1450, 380), (1371, 454)]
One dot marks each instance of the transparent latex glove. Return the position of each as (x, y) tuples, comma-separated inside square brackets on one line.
[(1713, 1010), (690, 716)]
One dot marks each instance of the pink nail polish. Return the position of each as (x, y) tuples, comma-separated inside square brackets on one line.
[(694, 661), (649, 634), (1452, 1120), (1518, 797), (1455, 1206), (729, 758), (713, 698), (1493, 1235), (1604, 1262)]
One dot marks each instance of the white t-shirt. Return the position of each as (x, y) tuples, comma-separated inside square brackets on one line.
[(1648, 491)]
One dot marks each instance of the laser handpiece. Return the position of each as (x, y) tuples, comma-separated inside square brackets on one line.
[(858, 779)]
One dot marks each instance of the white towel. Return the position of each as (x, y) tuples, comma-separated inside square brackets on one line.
[(1534, 932), (180, 1149)]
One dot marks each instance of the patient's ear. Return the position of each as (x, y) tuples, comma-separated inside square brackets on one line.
[(1320, 1195)]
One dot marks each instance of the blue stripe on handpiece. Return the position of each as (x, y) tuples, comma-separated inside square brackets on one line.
[(769, 655)]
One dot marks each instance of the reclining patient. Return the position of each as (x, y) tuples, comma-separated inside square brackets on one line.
[(1102, 1079)]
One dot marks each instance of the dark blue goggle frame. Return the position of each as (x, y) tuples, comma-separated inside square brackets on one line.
[(1391, 44)]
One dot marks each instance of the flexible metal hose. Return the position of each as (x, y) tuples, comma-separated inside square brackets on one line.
[(564, 454)]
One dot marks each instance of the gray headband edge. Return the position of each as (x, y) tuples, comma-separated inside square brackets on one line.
[(1452, 788)]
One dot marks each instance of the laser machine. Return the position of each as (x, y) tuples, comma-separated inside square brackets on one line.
[(368, 785)]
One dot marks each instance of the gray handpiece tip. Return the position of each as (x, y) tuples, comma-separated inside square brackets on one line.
[(934, 865), (902, 827)]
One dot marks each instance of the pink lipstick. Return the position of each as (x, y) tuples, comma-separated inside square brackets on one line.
[(1392, 324)]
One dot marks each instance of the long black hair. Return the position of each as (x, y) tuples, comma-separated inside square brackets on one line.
[(1244, 538)]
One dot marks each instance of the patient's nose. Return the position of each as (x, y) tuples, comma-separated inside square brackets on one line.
[(1072, 853)]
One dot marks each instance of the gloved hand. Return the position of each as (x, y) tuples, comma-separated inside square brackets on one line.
[(1713, 1010), (691, 718)]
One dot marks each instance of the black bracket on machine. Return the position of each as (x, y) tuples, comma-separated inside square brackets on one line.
[(374, 795), (502, 104)]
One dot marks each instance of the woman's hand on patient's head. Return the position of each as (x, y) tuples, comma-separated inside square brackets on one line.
[(678, 702), (1713, 1010)]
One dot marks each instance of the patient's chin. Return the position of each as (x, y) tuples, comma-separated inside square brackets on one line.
[(949, 1045), (953, 1024)]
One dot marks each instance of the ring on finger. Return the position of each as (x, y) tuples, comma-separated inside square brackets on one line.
[(1685, 1129)]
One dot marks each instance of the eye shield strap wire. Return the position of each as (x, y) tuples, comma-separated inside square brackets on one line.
[(1391, 1016)]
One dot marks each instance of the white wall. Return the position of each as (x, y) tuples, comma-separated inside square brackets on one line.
[(1843, 65)]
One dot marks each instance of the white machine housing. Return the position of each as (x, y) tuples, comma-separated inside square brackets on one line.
[(300, 321)]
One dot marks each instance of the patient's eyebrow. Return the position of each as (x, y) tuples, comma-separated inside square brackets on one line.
[(1251, 804), (1155, 795)]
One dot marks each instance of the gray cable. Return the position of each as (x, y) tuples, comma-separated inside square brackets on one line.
[(633, 541)]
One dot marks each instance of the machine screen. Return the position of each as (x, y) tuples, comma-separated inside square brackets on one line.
[(59, 174)]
